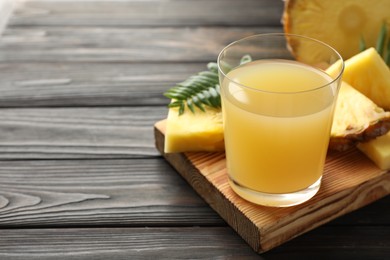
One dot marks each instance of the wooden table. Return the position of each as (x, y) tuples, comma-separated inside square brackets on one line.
[(81, 86)]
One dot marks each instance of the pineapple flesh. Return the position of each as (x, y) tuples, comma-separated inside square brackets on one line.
[(356, 119), (340, 23), (378, 150), (358, 116), (199, 131), (368, 73)]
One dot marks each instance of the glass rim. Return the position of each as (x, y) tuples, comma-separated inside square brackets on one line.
[(337, 78)]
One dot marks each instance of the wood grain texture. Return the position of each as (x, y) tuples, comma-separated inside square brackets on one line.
[(121, 192), (43, 133), (149, 13), (366, 242), (79, 175), (101, 44), (60, 193), (186, 243), (35, 84), (6, 9), (123, 243), (350, 181)]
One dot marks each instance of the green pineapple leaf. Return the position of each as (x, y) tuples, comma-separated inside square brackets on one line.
[(199, 90), (382, 44)]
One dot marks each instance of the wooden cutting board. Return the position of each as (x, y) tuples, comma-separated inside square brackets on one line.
[(350, 181)]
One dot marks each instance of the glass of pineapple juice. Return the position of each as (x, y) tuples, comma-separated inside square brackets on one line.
[(277, 114)]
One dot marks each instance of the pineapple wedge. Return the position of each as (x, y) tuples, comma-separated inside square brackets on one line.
[(199, 131), (340, 23), (368, 73), (356, 119), (378, 150)]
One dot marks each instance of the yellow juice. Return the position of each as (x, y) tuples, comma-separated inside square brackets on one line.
[(277, 130)]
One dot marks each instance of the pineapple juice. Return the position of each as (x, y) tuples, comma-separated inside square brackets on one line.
[(277, 121)]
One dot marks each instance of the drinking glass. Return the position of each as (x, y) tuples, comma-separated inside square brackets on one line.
[(277, 113)]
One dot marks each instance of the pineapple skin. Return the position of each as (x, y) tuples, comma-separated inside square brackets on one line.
[(356, 119)]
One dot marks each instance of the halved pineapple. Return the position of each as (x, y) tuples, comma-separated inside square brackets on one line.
[(340, 23), (368, 73), (199, 131), (356, 119)]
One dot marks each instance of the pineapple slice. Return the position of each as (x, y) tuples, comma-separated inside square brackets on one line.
[(368, 73), (199, 131), (356, 119), (340, 23), (378, 150)]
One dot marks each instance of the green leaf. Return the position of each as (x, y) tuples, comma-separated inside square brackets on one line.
[(362, 44), (204, 95), (174, 104), (380, 43), (199, 90), (190, 105), (196, 91), (245, 59), (215, 97), (212, 66), (209, 75), (174, 95), (387, 55), (198, 103), (225, 66), (181, 108)]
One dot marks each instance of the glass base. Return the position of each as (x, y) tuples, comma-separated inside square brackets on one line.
[(277, 199)]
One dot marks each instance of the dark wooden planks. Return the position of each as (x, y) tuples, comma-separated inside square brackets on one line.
[(123, 243), (104, 66), (375, 214), (364, 242), (126, 194), (58, 67), (6, 8), (122, 192), (34, 84), (112, 132), (100, 44), (186, 243), (63, 193), (95, 65), (62, 67), (149, 13)]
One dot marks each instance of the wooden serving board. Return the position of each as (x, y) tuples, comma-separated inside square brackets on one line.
[(350, 181)]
